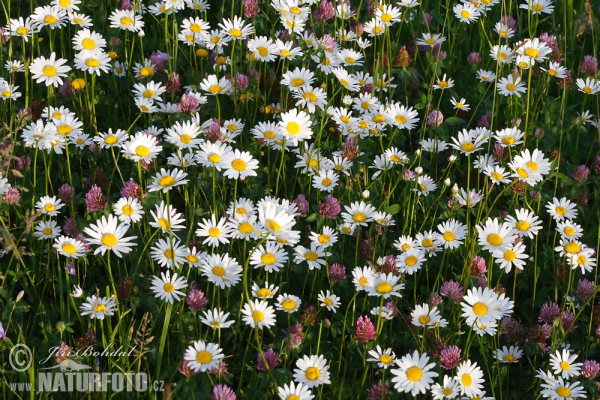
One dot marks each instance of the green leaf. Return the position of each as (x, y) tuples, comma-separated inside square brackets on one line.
[(312, 217), (393, 209), (454, 121)]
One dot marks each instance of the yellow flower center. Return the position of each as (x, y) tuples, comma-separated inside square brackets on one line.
[(326, 182), (127, 210), (192, 259), (264, 293), (359, 217), (218, 270), (50, 19), (563, 391), (235, 32), (49, 207), (297, 82), (414, 374), (258, 316), (313, 373), (468, 147), (511, 86), (169, 288), (245, 228), (466, 380), (268, 259), (424, 319), (572, 248), (509, 358), (569, 231), (169, 254), (449, 236), (522, 173), (480, 309), (215, 89), (510, 255), (166, 181), (204, 357), (311, 256), (126, 21), (293, 128), (22, 30), (149, 93), (147, 71), (310, 96), (383, 288), (565, 366), (494, 239), (163, 223), (262, 51), (214, 232), (273, 226), (109, 240), (49, 70), (69, 248), (385, 359), (288, 304), (443, 84), (214, 158), (99, 308), (411, 260), (497, 176), (531, 52), (465, 14), (238, 165), (532, 165), (142, 151)]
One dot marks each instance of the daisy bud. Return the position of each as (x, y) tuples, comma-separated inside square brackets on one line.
[(452, 158), (141, 33), (418, 152), (365, 194), (455, 189), (418, 170), (447, 182), (347, 100)]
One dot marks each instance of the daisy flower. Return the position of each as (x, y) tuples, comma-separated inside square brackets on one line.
[(295, 126), (95, 61), (109, 139), (69, 247), (141, 147), (589, 86), (265, 292), (512, 256), (166, 179), (298, 78), (49, 205), (263, 49), (494, 236), (168, 288), (460, 105), (496, 174), (325, 239), (126, 20), (413, 374), (362, 277), (287, 50), (430, 318), (110, 235), (538, 6), (329, 300), (223, 271), (49, 70), (384, 286), (508, 355), (215, 233), (509, 137), (449, 389), (430, 40), (239, 165), (288, 303), (52, 16), (9, 91), (481, 306), (128, 210), (569, 229), (312, 371), (214, 86), (468, 142), (485, 76), (559, 389), (45, 230), (271, 256), (202, 356), (470, 378), (452, 233), (314, 256), (412, 259), (293, 391), (169, 253), (23, 28), (562, 209), (14, 66), (359, 213), (555, 70), (241, 209), (216, 319), (210, 154), (563, 364), (466, 12), (325, 180), (259, 314), (383, 358), (526, 223), (443, 83), (236, 29), (510, 86), (152, 91), (311, 98), (167, 218), (504, 30), (98, 307)]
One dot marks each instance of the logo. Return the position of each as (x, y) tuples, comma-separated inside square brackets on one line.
[(20, 357)]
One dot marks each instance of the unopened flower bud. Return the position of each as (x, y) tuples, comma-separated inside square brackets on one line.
[(418, 170), (365, 194), (60, 326), (347, 100), (418, 152), (452, 158), (455, 189), (447, 182)]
